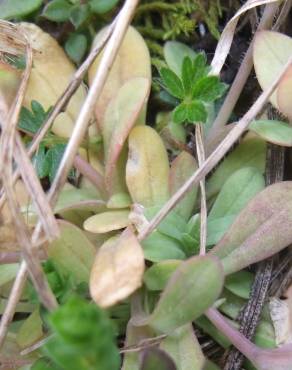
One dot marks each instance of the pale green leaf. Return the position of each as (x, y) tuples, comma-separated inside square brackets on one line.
[(194, 286), (251, 152), (72, 252), (174, 54), (276, 132)]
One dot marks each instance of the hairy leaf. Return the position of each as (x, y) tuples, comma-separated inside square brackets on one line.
[(172, 83), (10, 9), (260, 230), (157, 276), (193, 287), (154, 358)]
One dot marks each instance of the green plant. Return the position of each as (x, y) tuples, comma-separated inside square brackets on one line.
[(83, 337), (193, 88)]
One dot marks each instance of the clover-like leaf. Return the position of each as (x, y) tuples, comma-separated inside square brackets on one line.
[(187, 74), (208, 89), (172, 83), (180, 113), (196, 112)]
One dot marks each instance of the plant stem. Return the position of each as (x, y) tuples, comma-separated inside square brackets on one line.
[(203, 215)]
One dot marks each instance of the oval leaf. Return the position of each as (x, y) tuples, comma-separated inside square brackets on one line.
[(50, 74), (192, 288), (157, 276), (285, 93), (147, 169), (260, 230), (107, 221), (117, 270), (251, 152), (271, 51), (133, 60), (183, 346), (276, 132), (174, 54), (182, 168), (120, 117), (73, 253)]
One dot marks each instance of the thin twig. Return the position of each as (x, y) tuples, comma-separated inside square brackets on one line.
[(203, 214), (242, 75), (216, 156)]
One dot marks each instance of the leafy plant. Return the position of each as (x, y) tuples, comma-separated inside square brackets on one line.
[(83, 337), (193, 88)]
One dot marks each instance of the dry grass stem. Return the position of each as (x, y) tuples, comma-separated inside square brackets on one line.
[(242, 75), (203, 214)]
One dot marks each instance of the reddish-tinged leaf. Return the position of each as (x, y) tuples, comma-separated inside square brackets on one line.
[(262, 229), (192, 288)]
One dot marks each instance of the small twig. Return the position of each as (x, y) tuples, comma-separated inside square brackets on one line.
[(216, 156), (285, 11), (13, 299), (242, 75), (36, 345), (90, 173), (203, 215)]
